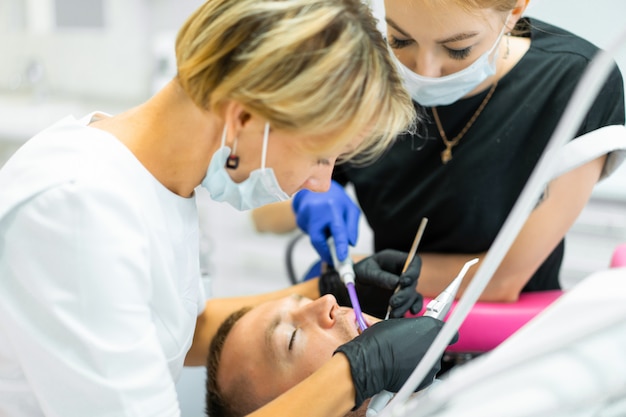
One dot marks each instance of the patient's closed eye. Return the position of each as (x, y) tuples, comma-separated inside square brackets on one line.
[(293, 337)]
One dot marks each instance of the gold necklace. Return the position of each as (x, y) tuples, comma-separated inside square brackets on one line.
[(446, 155)]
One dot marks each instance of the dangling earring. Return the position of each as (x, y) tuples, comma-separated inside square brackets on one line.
[(508, 46), (233, 160)]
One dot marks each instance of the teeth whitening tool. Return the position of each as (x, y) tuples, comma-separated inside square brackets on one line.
[(345, 269), (439, 306)]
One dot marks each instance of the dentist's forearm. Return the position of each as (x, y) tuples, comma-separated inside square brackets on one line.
[(329, 392)]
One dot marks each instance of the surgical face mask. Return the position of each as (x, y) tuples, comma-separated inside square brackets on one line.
[(441, 91), (259, 189)]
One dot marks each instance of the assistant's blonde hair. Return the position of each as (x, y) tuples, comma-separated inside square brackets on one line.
[(499, 5), (477, 6), (314, 66)]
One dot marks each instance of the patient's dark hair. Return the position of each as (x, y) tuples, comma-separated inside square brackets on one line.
[(218, 404)]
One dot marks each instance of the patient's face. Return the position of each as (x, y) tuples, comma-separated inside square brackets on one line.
[(279, 343)]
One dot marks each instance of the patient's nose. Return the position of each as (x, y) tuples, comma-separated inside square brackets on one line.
[(320, 311)]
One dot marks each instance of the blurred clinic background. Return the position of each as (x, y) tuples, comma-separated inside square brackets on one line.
[(61, 57)]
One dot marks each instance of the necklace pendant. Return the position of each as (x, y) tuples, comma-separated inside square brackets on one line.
[(446, 155)]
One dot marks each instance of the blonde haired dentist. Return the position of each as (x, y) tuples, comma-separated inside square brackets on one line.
[(100, 295)]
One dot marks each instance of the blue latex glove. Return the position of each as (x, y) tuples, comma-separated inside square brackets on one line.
[(332, 213)]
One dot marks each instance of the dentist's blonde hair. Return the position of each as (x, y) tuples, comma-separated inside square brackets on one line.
[(314, 66)]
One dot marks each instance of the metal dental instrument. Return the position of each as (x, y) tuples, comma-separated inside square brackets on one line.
[(437, 308), (345, 269), (412, 252)]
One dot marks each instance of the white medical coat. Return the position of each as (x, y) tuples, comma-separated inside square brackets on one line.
[(99, 279)]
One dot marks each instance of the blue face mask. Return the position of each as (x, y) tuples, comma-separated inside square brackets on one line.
[(441, 91), (259, 189)]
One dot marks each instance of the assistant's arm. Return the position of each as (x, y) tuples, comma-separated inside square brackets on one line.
[(564, 199), (274, 218), (546, 226)]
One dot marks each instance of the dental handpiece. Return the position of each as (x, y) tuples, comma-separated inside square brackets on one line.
[(345, 269), (437, 308)]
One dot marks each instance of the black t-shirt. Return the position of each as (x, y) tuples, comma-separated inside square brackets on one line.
[(468, 199)]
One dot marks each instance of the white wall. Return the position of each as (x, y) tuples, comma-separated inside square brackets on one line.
[(600, 21), (110, 63)]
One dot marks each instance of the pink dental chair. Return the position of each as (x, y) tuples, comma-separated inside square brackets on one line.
[(489, 324), (619, 257)]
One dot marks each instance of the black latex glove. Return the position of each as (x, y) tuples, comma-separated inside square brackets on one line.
[(384, 355), (377, 277)]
